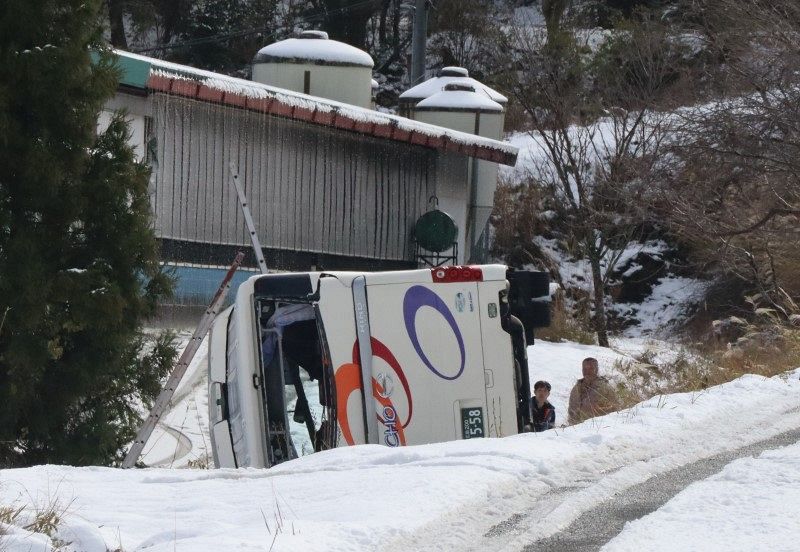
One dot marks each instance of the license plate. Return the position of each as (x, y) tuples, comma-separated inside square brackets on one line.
[(472, 422)]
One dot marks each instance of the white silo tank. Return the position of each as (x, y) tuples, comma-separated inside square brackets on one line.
[(447, 75), (460, 106), (315, 65)]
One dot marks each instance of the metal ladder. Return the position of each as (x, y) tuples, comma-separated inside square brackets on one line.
[(168, 391), (164, 398)]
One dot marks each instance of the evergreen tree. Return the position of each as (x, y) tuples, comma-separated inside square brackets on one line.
[(78, 258)]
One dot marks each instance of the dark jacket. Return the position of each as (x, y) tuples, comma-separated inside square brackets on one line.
[(543, 418)]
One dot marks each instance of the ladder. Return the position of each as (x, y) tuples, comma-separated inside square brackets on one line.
[(164, 398), (248, 219)]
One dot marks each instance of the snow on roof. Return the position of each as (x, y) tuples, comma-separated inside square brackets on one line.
[(446, 76), (182, 80), (314, 47), (459, 97), (452, 71)]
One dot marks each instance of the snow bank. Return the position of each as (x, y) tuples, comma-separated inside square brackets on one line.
[(16, 539), (439, 497), (667, 304)]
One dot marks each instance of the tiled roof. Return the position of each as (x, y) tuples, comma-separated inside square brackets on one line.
[(188, 82)]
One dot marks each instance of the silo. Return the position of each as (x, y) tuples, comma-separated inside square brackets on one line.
[(315, 65), (462, 107), (447, 75)]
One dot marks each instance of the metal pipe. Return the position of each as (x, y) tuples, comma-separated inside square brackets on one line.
[(471, 231)]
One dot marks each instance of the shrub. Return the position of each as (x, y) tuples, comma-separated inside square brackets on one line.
[(564, 326), (766, 350)]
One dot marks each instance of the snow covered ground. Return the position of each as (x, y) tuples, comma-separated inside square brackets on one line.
[(182, 437), (434, 497)]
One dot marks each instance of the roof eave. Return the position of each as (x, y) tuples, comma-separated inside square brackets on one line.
[(152, 75), (192, 89)]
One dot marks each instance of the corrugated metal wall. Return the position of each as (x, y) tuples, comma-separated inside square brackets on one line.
[(311, 188)]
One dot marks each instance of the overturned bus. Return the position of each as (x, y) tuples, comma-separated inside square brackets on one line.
[(441, 353)]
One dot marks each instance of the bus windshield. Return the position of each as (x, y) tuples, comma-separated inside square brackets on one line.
[(298, 387)]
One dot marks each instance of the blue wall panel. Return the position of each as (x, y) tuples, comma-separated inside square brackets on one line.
[(197, 285)]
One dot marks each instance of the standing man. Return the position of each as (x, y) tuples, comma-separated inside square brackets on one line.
[(592, 395)]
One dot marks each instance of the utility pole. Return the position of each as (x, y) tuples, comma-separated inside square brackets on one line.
[(419, 38)]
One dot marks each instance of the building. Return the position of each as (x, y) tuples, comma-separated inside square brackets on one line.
[(330, 185)]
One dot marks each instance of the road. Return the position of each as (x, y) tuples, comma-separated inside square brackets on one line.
[(597, 526)]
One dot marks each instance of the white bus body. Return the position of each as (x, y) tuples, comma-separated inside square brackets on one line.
[(439, 350)]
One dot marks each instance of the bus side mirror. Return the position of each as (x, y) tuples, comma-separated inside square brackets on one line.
[(529, 299)]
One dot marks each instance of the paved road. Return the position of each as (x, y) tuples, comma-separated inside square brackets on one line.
[(597, 526)]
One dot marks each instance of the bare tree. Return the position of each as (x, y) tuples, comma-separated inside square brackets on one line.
[(463, 32), (116, 20), (599, 140), (737, 193), (553, 12)]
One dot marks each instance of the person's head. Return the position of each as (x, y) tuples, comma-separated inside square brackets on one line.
[(541, 390), (591, 369)]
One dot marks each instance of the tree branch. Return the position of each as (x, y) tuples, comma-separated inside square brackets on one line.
[(771, 214)]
